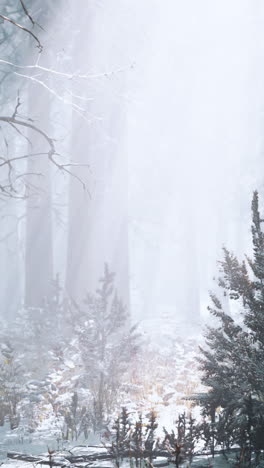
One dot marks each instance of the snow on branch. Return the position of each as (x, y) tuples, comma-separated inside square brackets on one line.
[(70, 76), (16, 123)]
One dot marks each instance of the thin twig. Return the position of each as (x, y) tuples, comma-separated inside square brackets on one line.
[(51, 153), (5, 18), (70, 76), (18, 104), (26, 12), (76, 108)]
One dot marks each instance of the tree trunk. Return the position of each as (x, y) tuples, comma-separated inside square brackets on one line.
[(38, 251), (98, 229)]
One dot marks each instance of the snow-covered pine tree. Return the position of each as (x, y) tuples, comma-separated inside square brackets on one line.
[(121, 437), (11, 385), (191, 437), (150, 439), (180, 443), (125, 429), (137, 440), (233, 361), (116, 449), (106, 342)]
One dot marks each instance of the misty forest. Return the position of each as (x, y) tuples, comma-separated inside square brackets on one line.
[(132, 233)]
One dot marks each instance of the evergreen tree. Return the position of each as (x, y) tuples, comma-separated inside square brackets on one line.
[(106, 342), (233, 361), (137, 440), (125, 429), (11, 386), (116, 446), (150, 435), (121, 440), (181, 443)]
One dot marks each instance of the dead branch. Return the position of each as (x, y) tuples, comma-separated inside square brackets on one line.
[(18, 104), (76, 108), (23, 28), (70, 76), (15, 123), (26, 12)]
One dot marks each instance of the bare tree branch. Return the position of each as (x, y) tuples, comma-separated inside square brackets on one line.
[(15, 123), (9, 20), (18, 104), (70, 76), (78, 109), (26, 12), (9, 187), (29, 16)]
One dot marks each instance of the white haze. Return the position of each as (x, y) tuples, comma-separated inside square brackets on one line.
[(195, 142), (175, 143)]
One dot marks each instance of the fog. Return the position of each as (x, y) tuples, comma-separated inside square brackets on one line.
[(194, 140), (184, 99), (169, 119), (131, 143)]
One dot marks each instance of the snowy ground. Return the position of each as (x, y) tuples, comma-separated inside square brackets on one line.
[(202, 461), (165, 373)]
